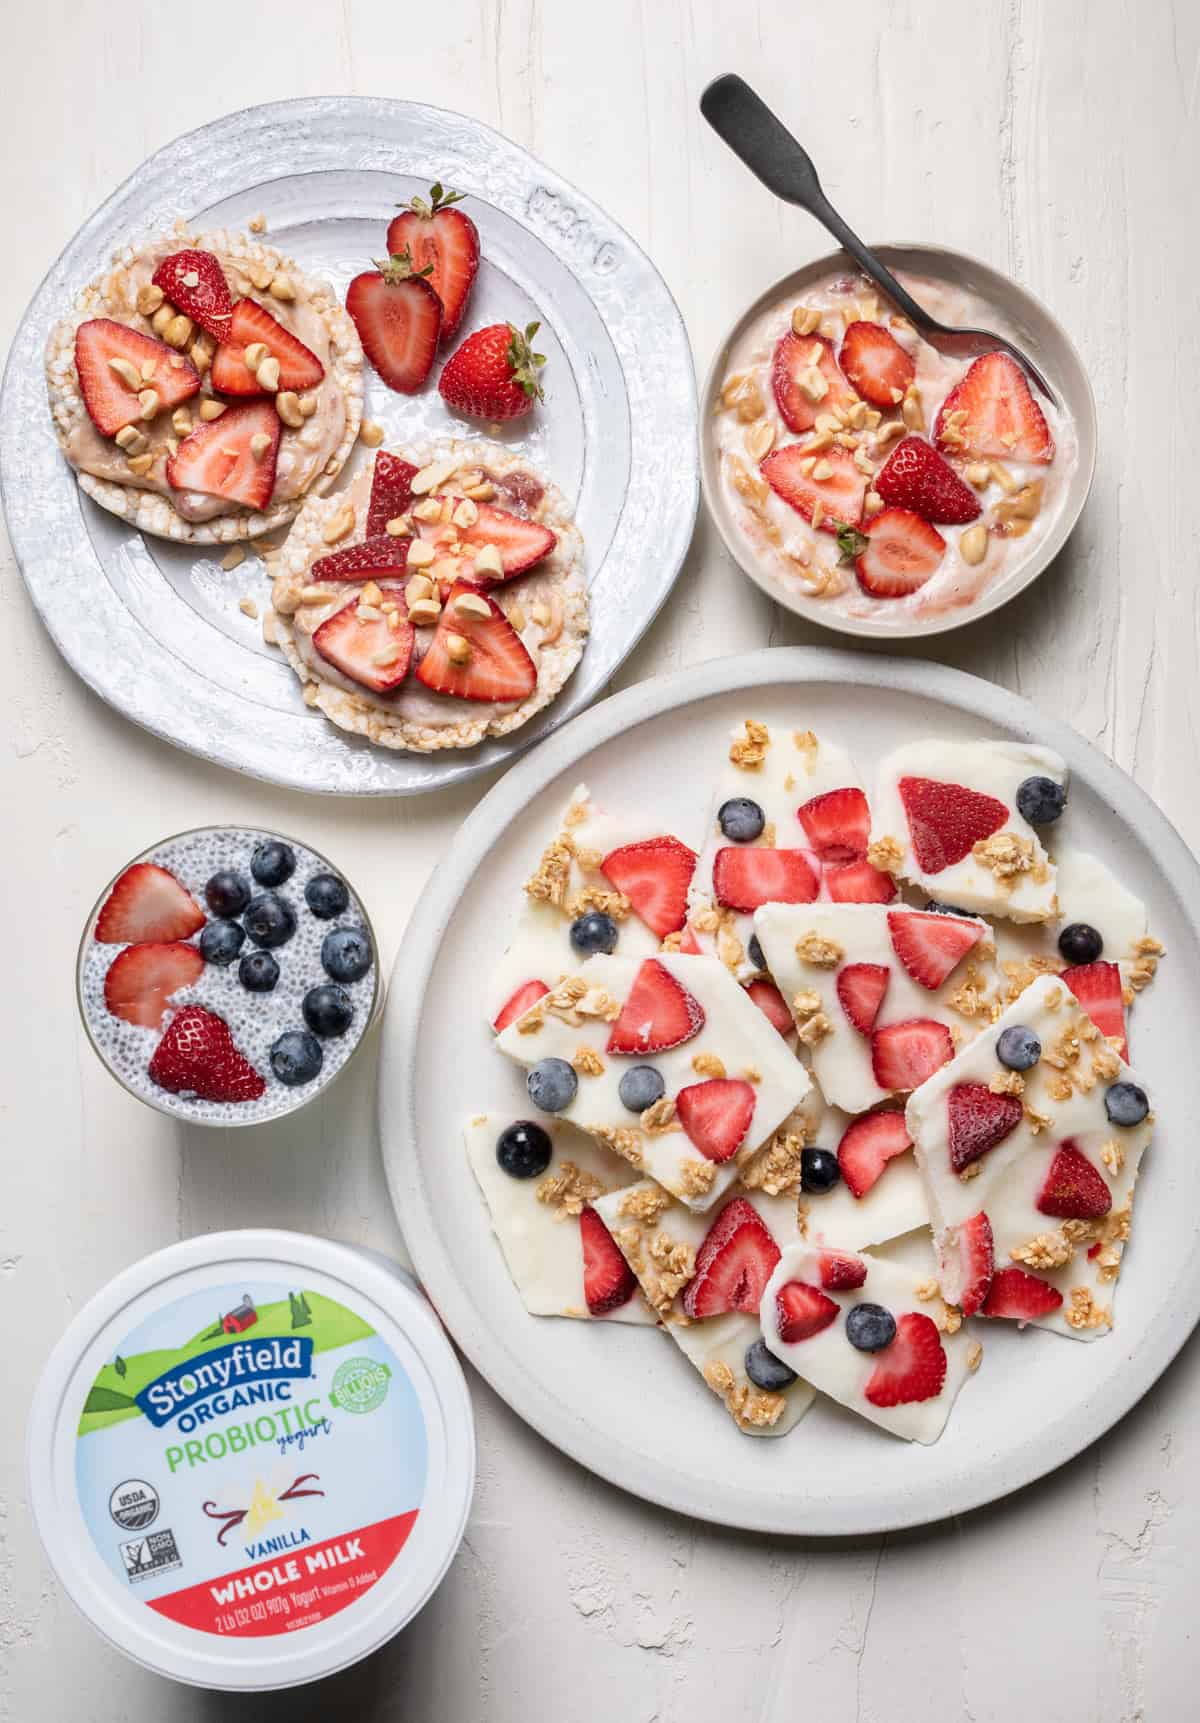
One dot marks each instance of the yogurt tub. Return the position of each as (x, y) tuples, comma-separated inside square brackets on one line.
[(251, 1458)]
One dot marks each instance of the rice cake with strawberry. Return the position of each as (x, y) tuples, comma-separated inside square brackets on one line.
[(151, 350), (471, 625)]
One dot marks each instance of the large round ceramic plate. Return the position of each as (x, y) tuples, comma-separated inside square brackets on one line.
[(622, 1400), (155, 628)]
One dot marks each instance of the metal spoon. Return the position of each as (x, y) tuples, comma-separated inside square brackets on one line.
[(744, 121)]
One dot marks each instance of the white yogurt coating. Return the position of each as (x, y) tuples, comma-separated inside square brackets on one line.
[(895, 1204), (1089, 892), (255, 1020), (780, 541)]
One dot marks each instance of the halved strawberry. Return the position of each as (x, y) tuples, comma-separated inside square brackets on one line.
[(838, 494), (658, 1013), (901, 553), (978, 1121), (518, 1003), (716, 1115), (391, 491), (858, 882), (931, 946), (841, 1273), (744, 877), (447, 241), (802, 1311), (915, 477), (868, 1144), (772, 1004), (966, 1263), (1016, 1293), (197, 1056), (399, 320), (945, 820), (654, 875), (904, 1054), (195, 284), (1003, 419), (837, 825), (1097, 986), (111, 402), (382, 555), (521, 542), (733, 1264), (217, 458), (860, 991), (299, 367), (142, 979), (365, 647), (147, 903), (795, 355), (1073, 1189), (876, 364), (912, 1367), (495, 667), (608, 1280)]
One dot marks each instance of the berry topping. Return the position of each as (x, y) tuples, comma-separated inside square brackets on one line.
[(868, 1144), (654, 876), (733, 1265), (746, 878), (231, 457), (840, 1272), (1097, 986), (142, 979), (741, 820), (328, 1009), (227, 893), (524, 1149), (593, 931), (495, 374), (1080, 943), (521, 543), (382, 554), (978, 1121), (270, 920), (147, 902), (825, 487), (608, 1280), (772, 1004), (765, 1370), (391, 491), (326, 896), (803, 367), (935, 906), (967, 1262), (1073, 1189), (444, 240), (552, 1085), (904, 1054), (859, 882), (111, 392), (476, 657), (716, 1115), (802, 1311), (399, 320), (875, 363), (273, 862), (931, 946), (1002, 418), (757, 955), (837, 825), (1018, 1048), (197, 1056), (895, 553), (640, 1087), (657, 1014), (346, 953), (945, 820), (915, 477), (195, 284), (518, 1003), (870, 1327), (1125, 1104), (820, 1170), (297, 1057), (912, 1368), (860, 991), (1020, 1295), (252, 326), (220, 941), (1040, 801), (258, 972), (359, 640)]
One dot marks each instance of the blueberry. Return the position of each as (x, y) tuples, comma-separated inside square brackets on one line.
[(227, 893), (273, 862), (296, 1057), (1125, 1104), (269, 920), (819, 1170), (1040, 801), (524, 1149), (552, 1084), (765, 1370), (870, 1327), (758, 956), (1080, 943), (326, 895), (1018, 1048), (346, 953), (258, 972), (594, 931), (741, 820), (935, 906), (220, 941), (327, 1009), (640, 1087)]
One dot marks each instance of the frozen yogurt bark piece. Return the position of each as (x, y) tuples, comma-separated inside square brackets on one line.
[(1029, 1144), (909, 1381), (537, 1209), (881, 996), (668, 1061), (704, 1275), (947, 819)]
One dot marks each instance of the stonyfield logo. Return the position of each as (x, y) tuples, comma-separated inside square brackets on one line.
[(244, 1365)]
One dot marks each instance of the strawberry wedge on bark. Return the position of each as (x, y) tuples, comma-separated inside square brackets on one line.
[(391, 491), (371, 643), (255, 334), (117, 366), (486, 544), (992, 412), (232, 457), (823, 485), (476, 653), (806, 380)]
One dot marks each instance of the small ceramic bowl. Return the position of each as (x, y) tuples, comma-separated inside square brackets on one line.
[(1019, 316)]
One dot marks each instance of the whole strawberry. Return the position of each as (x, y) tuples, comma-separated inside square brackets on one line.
[(494, 374)]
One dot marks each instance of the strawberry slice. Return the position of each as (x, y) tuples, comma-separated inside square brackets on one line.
[(744, 877), (837, 825), (391, 491), (1073, 1189), (945, 820), (795, 357), (518, 1003), (912, 1367), (195, 284), (142, 979), (1016, 1293), (860, 991), (689, 944), (876, 364), (399, 320), (657, 1014), (147, 903), (716, 1115), (359, 640), (802, 1311), (299, 367), (1003, 419), (608, 1280), (772, 1004), (859, 882), (915, 477), (654, 876), (495, 665), (1097, 986), (900, 554), (382, 555), (733, 1265), (868, 1144), (904, 1054), (521, 542), (446, 241), (841, 1273), (217, 458), (966, 1264), (978, 1121), (112, 402), (837, 495), (931, 946), (197, 1056)]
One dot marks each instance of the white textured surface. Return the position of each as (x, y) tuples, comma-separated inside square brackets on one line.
[(1055, 139)]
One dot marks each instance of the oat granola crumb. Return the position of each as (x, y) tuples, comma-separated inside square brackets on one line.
[(569, 1190), (1084, 1312), (1047, 1250), (925, 1290), (1007, 1083), (750, 1407), (644, 1202), (697, 1177), (814, 1029), (708, 1065), (750, 1074), (613, 903), (549, 883), (1113, 1156), (775, 1168), (886, 854), (820, 953), (974, 1356), (659, 1119), (749, 751), (588, 1062), (1036, 1121), (1006, 854)]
